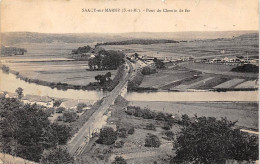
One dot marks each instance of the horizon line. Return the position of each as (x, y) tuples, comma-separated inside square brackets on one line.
[(127, 32)]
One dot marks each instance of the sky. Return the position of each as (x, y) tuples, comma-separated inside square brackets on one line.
[(66, 16)]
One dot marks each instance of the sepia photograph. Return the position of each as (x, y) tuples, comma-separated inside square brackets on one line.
[(129, 82)]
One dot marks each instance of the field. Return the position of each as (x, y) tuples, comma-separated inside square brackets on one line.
[(133, 150), (190, 75), (246, 113), (49, 62), (197, 49)]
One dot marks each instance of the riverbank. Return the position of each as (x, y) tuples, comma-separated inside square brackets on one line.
[(65, 86)]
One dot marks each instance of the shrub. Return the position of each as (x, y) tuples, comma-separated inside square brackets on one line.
[(138, 112), (131, 130), (80, 107), (119, 144), (69, 116), (185, 120), (101, 156), (60, 109), (148, 70), (167, 126), (119, 160), (57, 103), (107, 136), (147, 114), (169, 134), (5, 68), (150, 127), (160, 116), (57, 155), (122, 132), (152, 141)]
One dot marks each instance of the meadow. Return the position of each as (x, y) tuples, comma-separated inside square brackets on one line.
[(246, 113), (197, 48), (49, 62)]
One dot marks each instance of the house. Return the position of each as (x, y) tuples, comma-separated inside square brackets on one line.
[(225, 59), (234, 60), (39, 100), (216, 60)]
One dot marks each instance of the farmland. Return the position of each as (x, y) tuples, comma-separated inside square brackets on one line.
[(246, 113), (189, 75), (197, 48), (49, 62), (133, 149)]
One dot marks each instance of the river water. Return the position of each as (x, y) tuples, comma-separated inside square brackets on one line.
[(9, 83)]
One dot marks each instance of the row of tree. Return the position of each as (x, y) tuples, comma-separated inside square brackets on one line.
[(139, 41)]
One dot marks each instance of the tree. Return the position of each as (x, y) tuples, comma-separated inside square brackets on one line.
[(57, 103), (69, 116), (61, 132), (57, 155), (214, 141), (119, 160), (108, 76), (148, 70), (107, 136), (19, 92), (158, 63), (152, 141)]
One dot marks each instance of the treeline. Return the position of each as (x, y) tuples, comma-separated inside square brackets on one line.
[(84, 49), (138, 41), (106, 60), (246, 68), (26, 131), (9, 51)]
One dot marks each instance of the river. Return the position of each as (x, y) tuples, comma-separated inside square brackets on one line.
[(9, 83)]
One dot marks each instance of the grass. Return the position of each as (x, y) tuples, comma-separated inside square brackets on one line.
[(246, 113), (133, 149), (165, 77), (203, 48)]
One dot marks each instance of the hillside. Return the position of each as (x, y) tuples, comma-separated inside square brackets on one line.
[(32, 37)]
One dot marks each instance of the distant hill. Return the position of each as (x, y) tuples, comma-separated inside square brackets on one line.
[(31, 37)]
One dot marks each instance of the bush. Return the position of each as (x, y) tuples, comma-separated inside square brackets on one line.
[(122, 132), (169, 134), (69, 116), (57, 103), (5, 69), (131, 130), (57, 156), (107, 136), (152, 141), (101, 156), (119, 144), (119, 160), (214, 141), (60, 109), (148, 70), (185, 120), (150, 127), (80, 107), (167, 126)]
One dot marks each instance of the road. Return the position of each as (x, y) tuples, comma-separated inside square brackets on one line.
[(79, 141)]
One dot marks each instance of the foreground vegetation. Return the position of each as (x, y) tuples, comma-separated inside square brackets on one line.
[(26, 131), (140, 135)]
